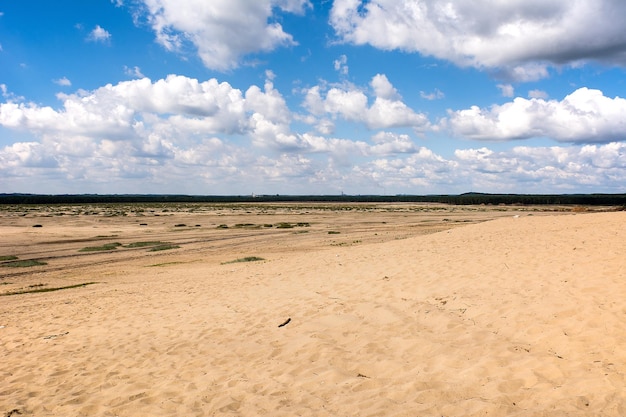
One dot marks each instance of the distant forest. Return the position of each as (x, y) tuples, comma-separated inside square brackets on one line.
[(460, 199)]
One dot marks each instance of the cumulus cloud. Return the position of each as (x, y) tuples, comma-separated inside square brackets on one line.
[(99, 34), (585, 116), (8, 95), (516, 39), (352, 104), (174, 107), (506, 90), (341, 65), (422, 170), (211, 165), (180, 134), (27, 155), (389, 143), (555, 169), (547, 169), (63, 82), (134, 72), (435, 95), (383, 88), (537, 94), (222, 31)]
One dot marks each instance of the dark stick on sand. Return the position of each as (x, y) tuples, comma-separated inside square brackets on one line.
[(285, 323)]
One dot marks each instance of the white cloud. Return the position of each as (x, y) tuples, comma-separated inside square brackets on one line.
[(341, 65), (26, 155), (270, 75), (420, 172), (517, 39), (529, 71), (119, 111), (185, 136), (552, 169), (537, 94), (435, 95), (222, 31), (158, 116), (134, 72), (507, 90), (99, 34), (383, 88), (325, 126), (585, 116), (9, 96), (388, 143), (63, 82), (352, 104), (385, 113), (270, 103)]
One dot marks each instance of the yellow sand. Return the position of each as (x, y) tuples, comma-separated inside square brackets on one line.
[(520, 316)]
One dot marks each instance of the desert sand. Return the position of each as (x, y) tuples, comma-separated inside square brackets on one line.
[(363, 310)]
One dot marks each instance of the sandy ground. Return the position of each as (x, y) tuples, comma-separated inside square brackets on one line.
[(390, 310)]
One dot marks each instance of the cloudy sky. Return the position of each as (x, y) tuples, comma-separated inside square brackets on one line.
[(235, 97)]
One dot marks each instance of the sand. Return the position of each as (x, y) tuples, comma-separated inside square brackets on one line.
[(396, 312)]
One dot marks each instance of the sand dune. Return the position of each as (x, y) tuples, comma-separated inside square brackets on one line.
[(521, 316)]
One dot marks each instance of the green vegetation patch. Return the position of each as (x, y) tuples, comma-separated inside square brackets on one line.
[(8, 258), (145, 244), (36, 290), (105, 247), (246, 259), (285, 225), (166, 263), (23, 264), (166, 246)]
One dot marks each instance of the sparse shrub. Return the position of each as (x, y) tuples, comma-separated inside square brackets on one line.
[(163, 247), (23, 264), (105, 247), (144, 244), (246, 259), (36, 290)]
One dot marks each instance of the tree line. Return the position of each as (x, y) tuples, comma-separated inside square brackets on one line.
[(456, 199)]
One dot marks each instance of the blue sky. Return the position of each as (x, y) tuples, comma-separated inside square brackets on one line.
[(235, 97)]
